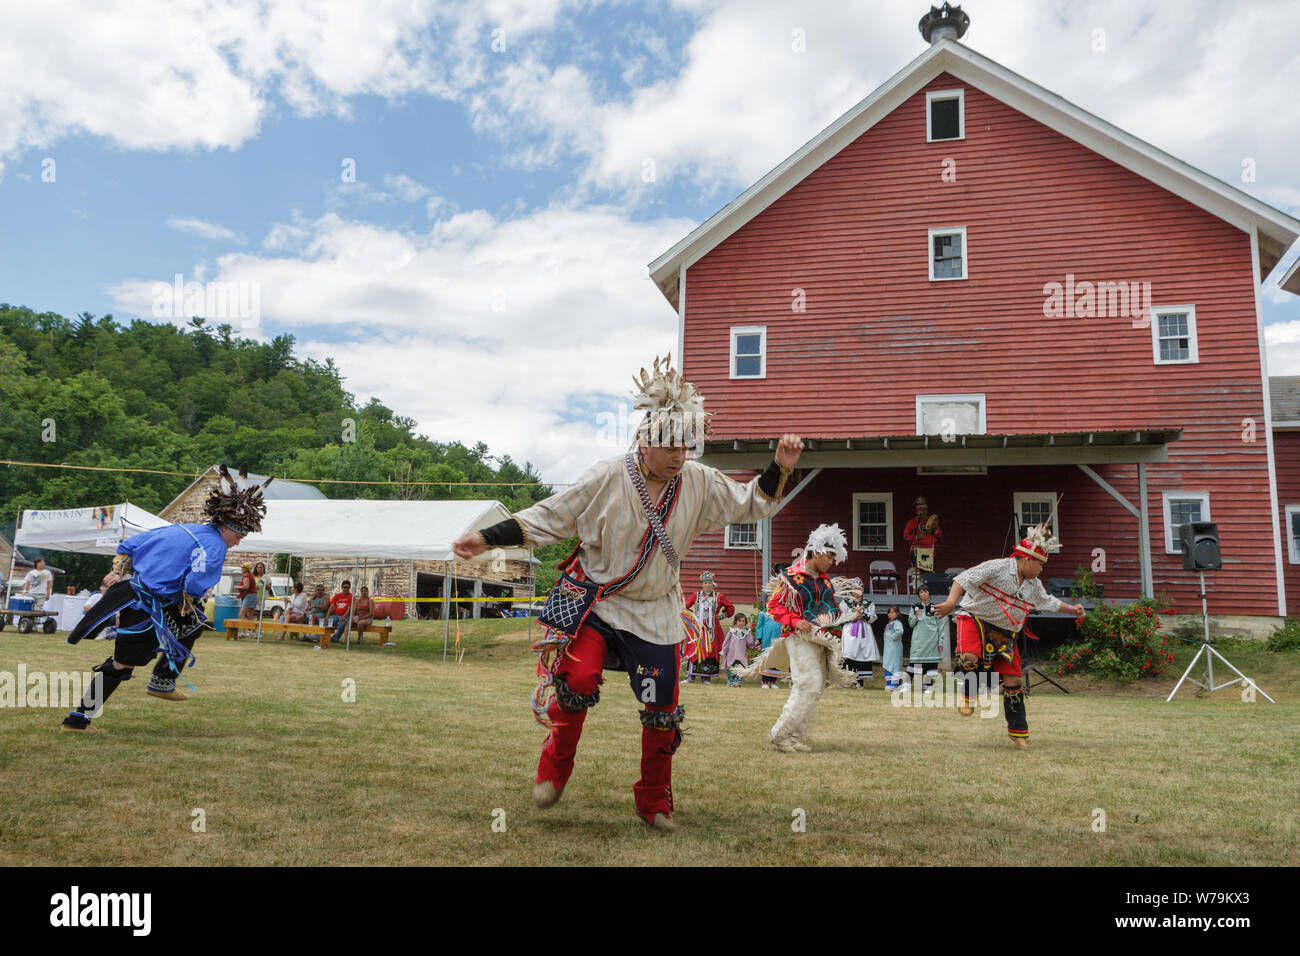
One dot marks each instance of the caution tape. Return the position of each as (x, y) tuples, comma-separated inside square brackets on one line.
[(455, 600)]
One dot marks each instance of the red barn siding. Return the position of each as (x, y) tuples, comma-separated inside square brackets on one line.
[(1036, 206), (1286, 454)]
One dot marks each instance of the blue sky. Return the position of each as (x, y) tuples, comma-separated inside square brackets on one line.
[(500, 212)]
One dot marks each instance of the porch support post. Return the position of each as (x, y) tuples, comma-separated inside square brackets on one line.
[(1144, 534), (765, 530), (1138, 511)]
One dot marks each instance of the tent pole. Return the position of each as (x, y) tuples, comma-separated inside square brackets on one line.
[(446, 595), (532, 593), (13, 556), (261, 600), (411, 610), (347, 635)]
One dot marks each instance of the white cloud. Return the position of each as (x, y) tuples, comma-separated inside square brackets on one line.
[(1283, 343), (160, 74), (204, 230), (1210, 83), (407, 189), (515, 332)]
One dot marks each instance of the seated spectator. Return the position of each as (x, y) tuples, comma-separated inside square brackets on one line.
[(340, 608), (296, 611), (318, 607), (363, 612)]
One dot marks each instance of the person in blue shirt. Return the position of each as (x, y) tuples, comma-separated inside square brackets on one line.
[(157, 578)]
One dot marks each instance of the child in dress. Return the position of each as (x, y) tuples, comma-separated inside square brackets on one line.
[(859, 640), (735, 648), (928, 633), (893, 657)]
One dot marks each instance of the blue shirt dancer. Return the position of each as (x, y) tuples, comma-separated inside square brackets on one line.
[(157, 578)]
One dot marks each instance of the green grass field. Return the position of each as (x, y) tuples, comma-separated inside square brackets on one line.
[(429, 756)]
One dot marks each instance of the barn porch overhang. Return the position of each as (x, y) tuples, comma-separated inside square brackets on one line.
[(1126, 446), (1081, 449)]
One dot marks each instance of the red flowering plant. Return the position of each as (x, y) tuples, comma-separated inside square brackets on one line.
[(1119, 643)]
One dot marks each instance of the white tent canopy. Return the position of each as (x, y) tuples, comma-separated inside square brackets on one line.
[(403, 530), (97, 530)]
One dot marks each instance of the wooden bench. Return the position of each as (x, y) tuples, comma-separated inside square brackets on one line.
[(324, 633), (235, 625), (383, 631)]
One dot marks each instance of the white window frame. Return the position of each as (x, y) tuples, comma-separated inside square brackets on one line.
[(1194, 355), (760, 330), (968, 397), (965, 252), (1166, 498), (1049, 498), (888, 498), (1293, 552), (960, 97), (758, 537)]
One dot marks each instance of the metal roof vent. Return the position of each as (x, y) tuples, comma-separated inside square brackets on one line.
[(944, 23)]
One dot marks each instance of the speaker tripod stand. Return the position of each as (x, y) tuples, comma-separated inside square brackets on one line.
[(1030, 671), (1207, 648)]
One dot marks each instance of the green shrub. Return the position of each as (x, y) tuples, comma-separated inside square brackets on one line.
[(1119, 643), (1285, 638), (1085, 583)]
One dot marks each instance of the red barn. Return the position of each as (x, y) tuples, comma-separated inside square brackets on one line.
[(970, 289)]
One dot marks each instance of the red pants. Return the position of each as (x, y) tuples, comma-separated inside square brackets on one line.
[(968, 641), (581, 668)]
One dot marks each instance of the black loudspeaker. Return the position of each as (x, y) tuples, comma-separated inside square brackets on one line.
[(1200, 542)]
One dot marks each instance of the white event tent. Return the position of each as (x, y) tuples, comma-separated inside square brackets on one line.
[(359, 528), (96, 530), (363, 528)]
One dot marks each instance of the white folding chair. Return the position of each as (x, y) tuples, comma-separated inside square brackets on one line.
[(884, 577)]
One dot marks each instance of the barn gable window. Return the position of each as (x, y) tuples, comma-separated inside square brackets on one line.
[(1182, 507), (744, 536), (951, 415), (1173, 335), (947, 253), (749, 351), (945, 115), (873, 521)]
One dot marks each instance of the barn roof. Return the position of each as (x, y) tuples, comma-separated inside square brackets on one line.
[(1284, 396), (279, 490), (1274, 231)]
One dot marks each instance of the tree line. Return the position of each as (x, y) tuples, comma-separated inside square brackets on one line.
[(93, 391)]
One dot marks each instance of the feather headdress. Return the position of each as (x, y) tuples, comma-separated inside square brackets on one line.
[(1039, 543), (674, 409), (827, 539), (239, 510)]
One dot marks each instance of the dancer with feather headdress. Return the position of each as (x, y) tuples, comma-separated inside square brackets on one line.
[(804, 602), (997, 597), (157, 577), (618, 604)]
